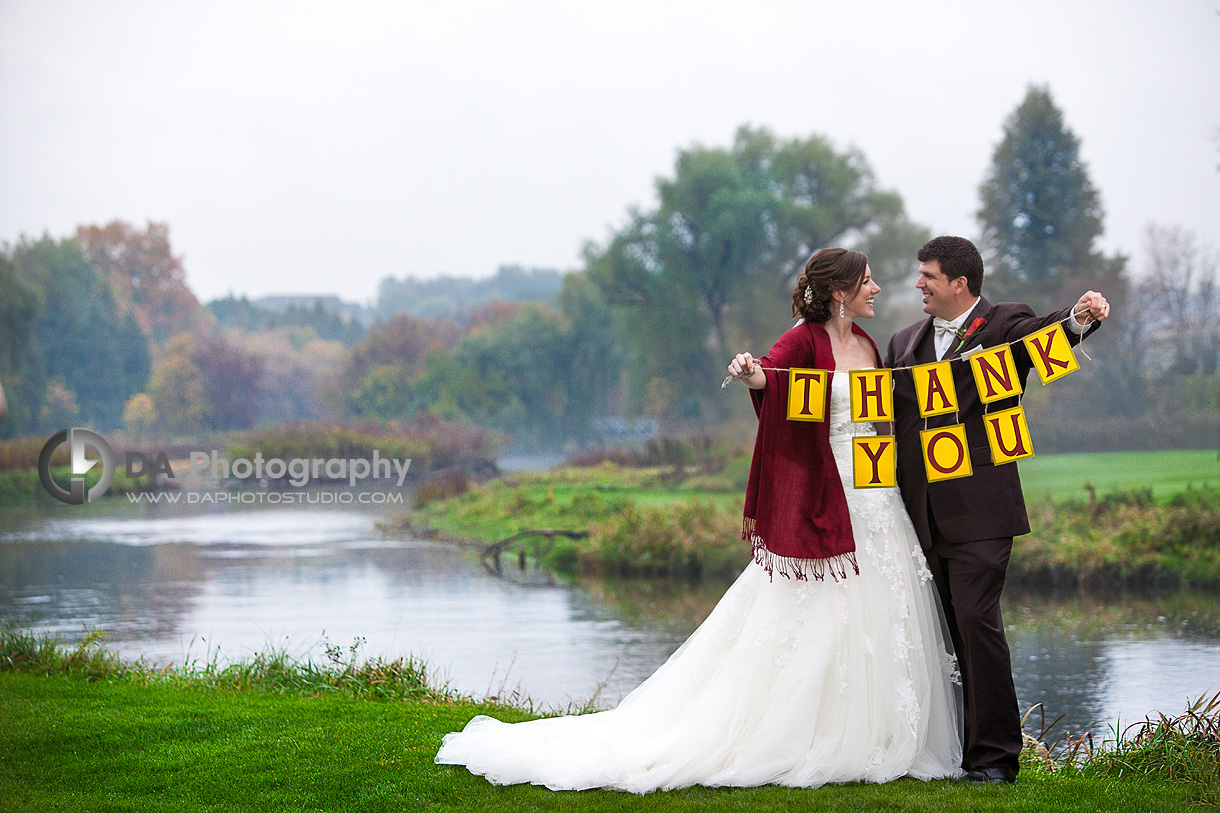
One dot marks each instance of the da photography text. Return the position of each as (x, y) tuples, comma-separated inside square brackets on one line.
[(300, 471)]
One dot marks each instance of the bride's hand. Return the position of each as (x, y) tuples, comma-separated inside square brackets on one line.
[(745, 368), (742, 365)]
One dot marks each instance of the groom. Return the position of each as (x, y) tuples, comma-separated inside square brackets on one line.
[(966, 525)]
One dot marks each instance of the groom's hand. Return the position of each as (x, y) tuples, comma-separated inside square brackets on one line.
[(1092, 307)]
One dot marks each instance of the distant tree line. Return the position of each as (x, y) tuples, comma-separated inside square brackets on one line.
[(453, 297), (101, 329), (320, 321)]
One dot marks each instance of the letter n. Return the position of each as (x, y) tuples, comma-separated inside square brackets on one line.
[(995, 375)]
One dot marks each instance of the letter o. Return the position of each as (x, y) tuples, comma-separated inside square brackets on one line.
[(961, 452)]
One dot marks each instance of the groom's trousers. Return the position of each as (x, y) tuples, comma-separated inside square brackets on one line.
[(969, 577)]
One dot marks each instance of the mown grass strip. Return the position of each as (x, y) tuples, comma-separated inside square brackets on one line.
[(120, 745), (1063, 476), (85, 731)]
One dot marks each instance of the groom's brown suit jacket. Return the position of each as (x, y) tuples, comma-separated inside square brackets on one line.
[(988, 504)]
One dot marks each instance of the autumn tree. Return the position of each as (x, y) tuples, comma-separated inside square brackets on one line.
[(206, 383), (177, 388), (144, 276), (539, 373), (393, 354), (1040, 213), (140, 415)]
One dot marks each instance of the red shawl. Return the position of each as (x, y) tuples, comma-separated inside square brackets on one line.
[(796, 515)]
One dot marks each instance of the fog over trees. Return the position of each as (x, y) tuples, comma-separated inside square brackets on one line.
[(102, 329)]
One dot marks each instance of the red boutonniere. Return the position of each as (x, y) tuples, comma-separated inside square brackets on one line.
[(966, 334)]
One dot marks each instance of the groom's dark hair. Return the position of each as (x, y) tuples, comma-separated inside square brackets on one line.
[(958, 258)]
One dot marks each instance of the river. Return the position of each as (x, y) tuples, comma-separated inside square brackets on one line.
[(178, 584)]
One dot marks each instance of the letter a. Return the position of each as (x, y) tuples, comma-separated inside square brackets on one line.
[(934, 389)]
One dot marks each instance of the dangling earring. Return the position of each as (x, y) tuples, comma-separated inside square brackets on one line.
[(840, 308)]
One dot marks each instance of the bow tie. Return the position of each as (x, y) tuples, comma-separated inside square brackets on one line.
[(943, 327)]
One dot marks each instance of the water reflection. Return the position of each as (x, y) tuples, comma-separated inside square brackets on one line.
[(170, 584), (1111, 660)]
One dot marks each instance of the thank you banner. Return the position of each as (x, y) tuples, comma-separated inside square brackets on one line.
[(946, 449)]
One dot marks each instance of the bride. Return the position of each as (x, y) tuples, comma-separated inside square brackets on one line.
[(791, 680)]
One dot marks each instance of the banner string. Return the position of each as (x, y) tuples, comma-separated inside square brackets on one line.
[(729, 379)]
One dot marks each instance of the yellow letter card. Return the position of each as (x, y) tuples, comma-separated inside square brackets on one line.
[(806, 394), (995, 374), (874, 461), (934, 389), (872, 396), (1008, 434), (946, 453), (1051, 353)]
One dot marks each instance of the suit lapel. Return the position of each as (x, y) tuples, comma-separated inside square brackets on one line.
[(982, 309), (921, 349)]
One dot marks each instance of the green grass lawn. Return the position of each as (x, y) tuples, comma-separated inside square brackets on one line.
[(122, 745), (1166, 473)]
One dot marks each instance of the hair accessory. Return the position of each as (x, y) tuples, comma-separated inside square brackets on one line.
[(808, 294)]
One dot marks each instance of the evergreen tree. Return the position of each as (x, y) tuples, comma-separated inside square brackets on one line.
[(93, 352), (20, 377), (1040, 213)]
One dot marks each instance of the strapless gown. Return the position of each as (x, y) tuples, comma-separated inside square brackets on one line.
[(796, 683)]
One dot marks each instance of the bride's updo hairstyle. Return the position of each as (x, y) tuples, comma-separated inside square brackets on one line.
[(828, 271)]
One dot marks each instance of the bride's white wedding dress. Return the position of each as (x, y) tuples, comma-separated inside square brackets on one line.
[(798, 683)]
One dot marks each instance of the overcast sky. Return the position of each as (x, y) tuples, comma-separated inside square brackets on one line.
[(299, 147)]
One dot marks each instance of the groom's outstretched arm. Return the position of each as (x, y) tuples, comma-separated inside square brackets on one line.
[(1082, 318)]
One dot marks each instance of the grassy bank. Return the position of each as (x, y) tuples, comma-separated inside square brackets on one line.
[(20, 487), (640, 521), (647, 521), (84, 732), (1122, 539)]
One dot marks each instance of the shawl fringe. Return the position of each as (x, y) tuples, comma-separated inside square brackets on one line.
[(792, 568)]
